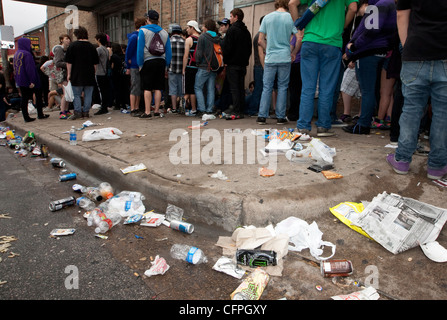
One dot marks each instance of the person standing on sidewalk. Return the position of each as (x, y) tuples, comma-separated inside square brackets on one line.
[(102, 77), (82, 60), (422, 26), (153, 65), (27, 78), (176, 67), (275, 34), (205, 77), (320, 61), (59, 62), (236, 49), (189, 65)]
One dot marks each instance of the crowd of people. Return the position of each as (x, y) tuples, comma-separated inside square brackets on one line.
[(389, 53)]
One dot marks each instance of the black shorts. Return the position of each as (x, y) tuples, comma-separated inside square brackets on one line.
[(190, 79), (153, 74)]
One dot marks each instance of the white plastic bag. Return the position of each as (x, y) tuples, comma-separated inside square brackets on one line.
[(302, 236), (159, 266), (69, 96), (320, 151), (101, 134)]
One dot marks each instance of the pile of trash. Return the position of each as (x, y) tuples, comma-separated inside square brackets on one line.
[(299, 148)]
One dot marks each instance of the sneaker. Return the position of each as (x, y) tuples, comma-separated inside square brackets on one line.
[(86, 115), (356, 129), (156, 114), (338, 123), (346, 118), (261, 120), (436, 174), (400, 167), (63, 115), (325, 132), (281, 121), (234, 116), (44, 116), (146, 116), (191, 113), (303, 131), (100, 111), (75, 116)]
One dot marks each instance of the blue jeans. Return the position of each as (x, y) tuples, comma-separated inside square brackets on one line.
[(367, 69), (319, 62), (253, 106), (208, 78), (271, 70), (77, 92), (420, 81)]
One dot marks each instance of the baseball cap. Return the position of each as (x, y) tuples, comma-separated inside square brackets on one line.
[(152, 14), (194, 24), (224, 21), (176, 28)]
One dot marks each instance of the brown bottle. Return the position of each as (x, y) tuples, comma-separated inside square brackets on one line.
[(336, 268)]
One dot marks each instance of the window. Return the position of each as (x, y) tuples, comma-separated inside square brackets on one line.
[(209, 9), (117, 26)]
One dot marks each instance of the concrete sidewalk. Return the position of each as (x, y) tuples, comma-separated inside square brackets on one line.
[(245, 197)]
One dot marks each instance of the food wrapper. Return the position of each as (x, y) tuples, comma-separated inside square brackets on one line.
[(135, 168), (62, 232), (366, 294), (347, 212), (159, 266), (153, 220), (228, 266), (252, 287)]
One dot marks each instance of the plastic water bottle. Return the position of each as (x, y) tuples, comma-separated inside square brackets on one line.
[(104, 221), (73, 136), (92, 193), (188, 253), (85, 203), (106, 190)]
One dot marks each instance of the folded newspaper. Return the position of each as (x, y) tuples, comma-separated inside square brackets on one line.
[(399, 223)]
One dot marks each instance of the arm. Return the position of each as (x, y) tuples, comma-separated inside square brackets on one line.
[(69, 71), (188, 44), (293, 8), (141, 42), (261, 48), (130, 50), (403, 21), (350, 14)]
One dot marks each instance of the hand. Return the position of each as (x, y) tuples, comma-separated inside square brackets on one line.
[(31, 85)]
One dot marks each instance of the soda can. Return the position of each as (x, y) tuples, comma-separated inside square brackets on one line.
[(44, 151), (256, 258), (182, 226), (336, 268), (68, 176), (57, 162), (62, 203)]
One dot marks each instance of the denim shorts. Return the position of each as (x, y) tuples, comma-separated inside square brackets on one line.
[(175, 84)]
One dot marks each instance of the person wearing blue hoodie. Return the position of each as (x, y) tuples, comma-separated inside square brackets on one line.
[(153, 58), (132, 68), (27, 78)]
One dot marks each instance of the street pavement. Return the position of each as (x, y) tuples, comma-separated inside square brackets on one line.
[(180, 162)]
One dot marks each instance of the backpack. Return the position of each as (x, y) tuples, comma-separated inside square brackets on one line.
[(156, 47), (217, 58)]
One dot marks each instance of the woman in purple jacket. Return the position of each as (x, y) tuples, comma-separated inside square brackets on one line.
[(27, 78)]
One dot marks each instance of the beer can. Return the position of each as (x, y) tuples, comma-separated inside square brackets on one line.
[(62, 203), (336, 268), (44, 151), (68, 176), (256, 258), (57, 162), (182, 226)]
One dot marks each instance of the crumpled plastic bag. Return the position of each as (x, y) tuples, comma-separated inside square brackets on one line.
[(303, 235), (159, 266), (321, 151), (101, 134)]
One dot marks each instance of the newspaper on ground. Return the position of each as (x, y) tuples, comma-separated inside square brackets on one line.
[(399, 223)]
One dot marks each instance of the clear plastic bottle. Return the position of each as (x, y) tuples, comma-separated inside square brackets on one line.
[(106, 190), (85, 203), (103, 221), (73, 136), (188, 253), (92, 193)]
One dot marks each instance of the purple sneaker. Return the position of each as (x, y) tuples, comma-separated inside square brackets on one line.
[(436, 174), (400, 167)]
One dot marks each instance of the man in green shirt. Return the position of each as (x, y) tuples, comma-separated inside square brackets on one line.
[(321, 54)]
